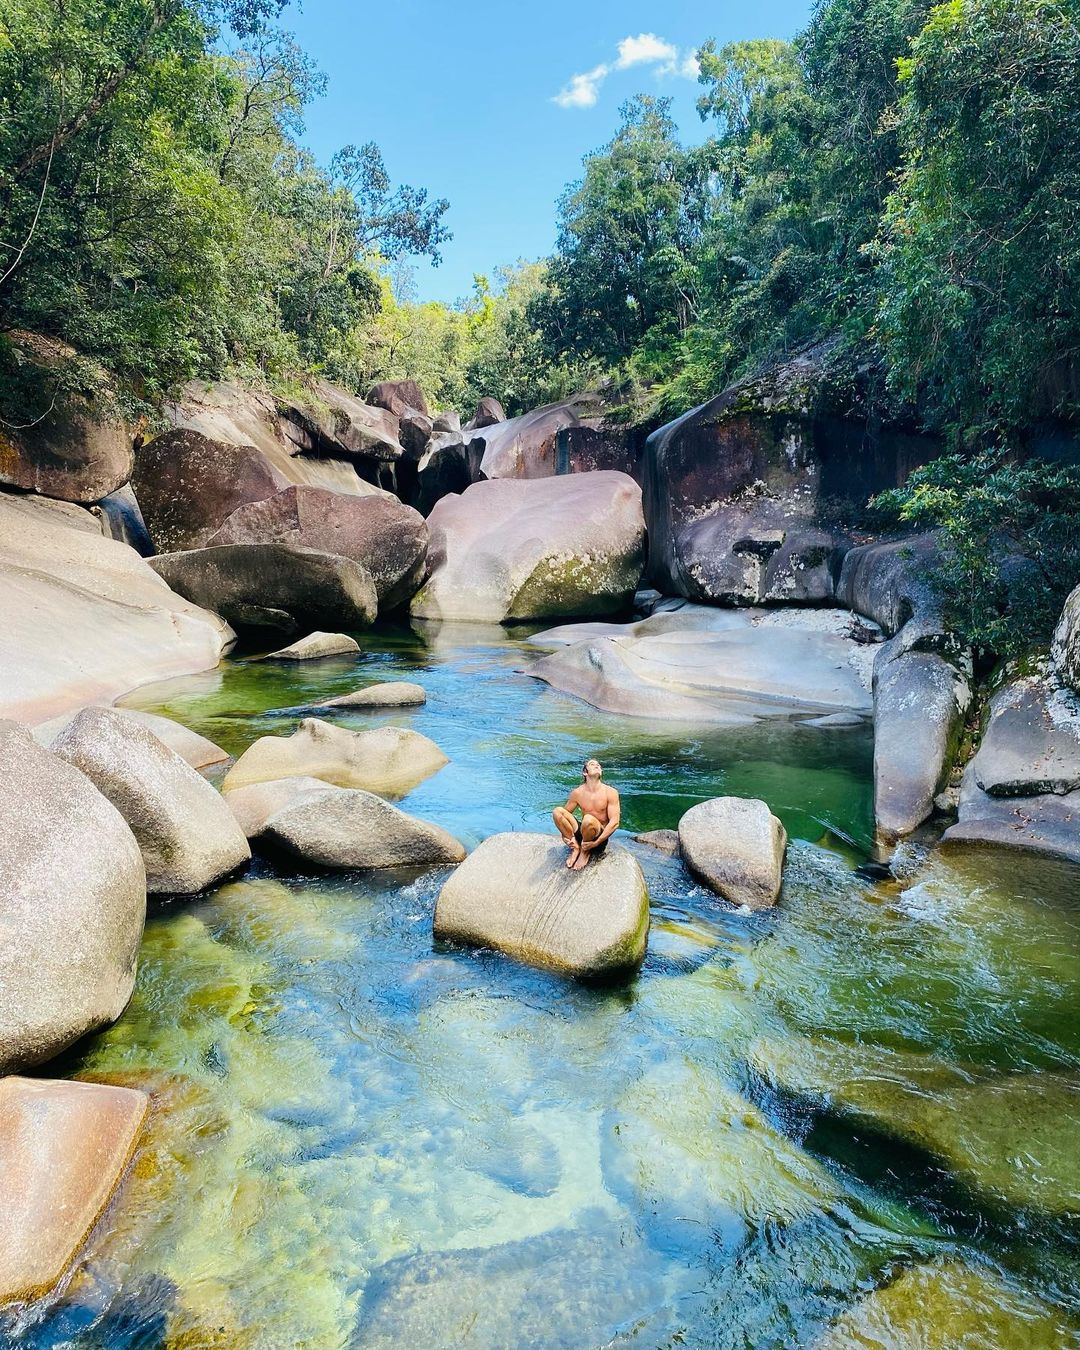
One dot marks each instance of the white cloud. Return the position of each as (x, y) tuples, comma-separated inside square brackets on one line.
[(645, 49), (583, 90)]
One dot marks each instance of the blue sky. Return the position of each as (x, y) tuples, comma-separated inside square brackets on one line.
[(477, 100)]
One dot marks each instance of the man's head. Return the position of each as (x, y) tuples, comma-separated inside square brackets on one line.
[(591, 769)]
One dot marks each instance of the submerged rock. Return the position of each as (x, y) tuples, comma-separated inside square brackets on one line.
[(85, 619), (386, 537), (665, 841), (316, 645), (729, 677), (698, 1159), (387, 760), (947, 1304), (736, 846), (510, 549), (72, 904), (388, 694), (272, 585), (63, 1151), (516, 894), (1009, 1138), (186, 834), (348, 828)]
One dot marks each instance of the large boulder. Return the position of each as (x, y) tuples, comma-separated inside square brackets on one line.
[(516, 894), (187, 835), (921, 698), (188, 485), (331, 421), (1066, 647), (1021, 790), (730, 676), (525, 446), (192, 748), (388, 538), (488, 411), (73, 448), (511, 549), (747, 497), (349, 828), (64, 1148), (72, 904), (84, 618), (398, 396), (736, 846), (448, 465), (890, 583), (121, 518), (387, 760), (273, 586)]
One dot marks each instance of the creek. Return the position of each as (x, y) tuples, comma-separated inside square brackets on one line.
[(364, 1139)]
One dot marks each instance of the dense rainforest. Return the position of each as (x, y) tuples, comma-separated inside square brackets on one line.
[(901, 180)]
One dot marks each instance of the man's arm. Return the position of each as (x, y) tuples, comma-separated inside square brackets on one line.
[(572, 801), (614, 813)]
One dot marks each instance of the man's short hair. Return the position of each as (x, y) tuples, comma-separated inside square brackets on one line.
[(585, 766)]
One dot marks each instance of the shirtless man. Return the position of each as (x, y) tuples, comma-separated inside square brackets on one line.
[(599, 807)]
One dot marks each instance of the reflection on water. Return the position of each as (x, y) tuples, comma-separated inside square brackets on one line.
[(840, 1124)]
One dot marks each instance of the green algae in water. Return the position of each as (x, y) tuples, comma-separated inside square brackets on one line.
[(362, 1140)]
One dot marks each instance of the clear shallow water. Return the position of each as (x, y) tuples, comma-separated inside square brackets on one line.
[(362, 1139)]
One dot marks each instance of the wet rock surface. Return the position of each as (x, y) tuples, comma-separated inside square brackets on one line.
[(348, 828), (736, 846)]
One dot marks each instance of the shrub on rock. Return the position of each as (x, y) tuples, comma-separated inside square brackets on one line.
[(736, 846), (515, 893), (513, 549), (72, 904), (187, 835), (387, 760)]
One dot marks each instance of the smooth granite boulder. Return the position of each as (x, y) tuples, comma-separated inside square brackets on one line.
[(387, 760), (386, 537), (187, 835), (192, 748), (525, 446), (315, 646), (388, 694), (516, 894), (254, 803), (330, 421), (64, 1148), (732, 676), (85, 619), (488, 411), (889, 582), (398, 396), (554, 547), (122, 519), (1031, 744), (348, 828), (273, 586), (72, 904), (736, 846), (188, 485), (920, 701)]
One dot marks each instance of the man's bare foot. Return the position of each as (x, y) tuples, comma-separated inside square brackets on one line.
[(581, 861), (575, 854)]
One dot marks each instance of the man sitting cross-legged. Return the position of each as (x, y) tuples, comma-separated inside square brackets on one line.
[(599, 807)]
